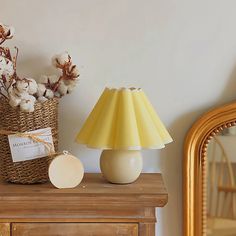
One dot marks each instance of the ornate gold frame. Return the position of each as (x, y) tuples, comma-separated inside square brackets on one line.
[(194, 166)]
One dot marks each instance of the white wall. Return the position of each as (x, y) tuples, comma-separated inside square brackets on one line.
[(181, 52)]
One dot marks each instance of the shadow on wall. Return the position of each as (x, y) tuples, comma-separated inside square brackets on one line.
[(171, 168), (70, 119), (171, 159)]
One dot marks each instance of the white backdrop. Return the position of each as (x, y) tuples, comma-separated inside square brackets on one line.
[(181, 52)]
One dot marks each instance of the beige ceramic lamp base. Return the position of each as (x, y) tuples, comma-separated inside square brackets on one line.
[(121, 166)]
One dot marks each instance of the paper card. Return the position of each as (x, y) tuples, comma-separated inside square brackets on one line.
[(25, 148)]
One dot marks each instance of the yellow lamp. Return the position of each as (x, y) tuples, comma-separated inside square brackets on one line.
[(123, 122)]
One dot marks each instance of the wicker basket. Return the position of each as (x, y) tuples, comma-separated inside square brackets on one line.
[(32, 171)]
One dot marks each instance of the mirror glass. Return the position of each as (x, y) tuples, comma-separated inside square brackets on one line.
[(221, 184)]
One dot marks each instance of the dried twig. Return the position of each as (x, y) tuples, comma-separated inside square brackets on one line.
[(3, 85), (15, 58), (3, 95)]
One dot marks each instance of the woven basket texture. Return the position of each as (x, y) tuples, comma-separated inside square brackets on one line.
[(44, 116)]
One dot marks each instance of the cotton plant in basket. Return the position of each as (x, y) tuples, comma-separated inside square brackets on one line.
[(25, 92)]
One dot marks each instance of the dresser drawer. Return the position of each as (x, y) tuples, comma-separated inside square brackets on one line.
[(74, 229)]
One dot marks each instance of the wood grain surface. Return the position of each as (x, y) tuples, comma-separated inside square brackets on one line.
[(43, 201), (4, 229), (95, 184), (94, 205), (74, 229)]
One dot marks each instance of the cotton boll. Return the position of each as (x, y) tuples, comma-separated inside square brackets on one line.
[(25, 101), (11, 92), (71, 84), (3, 64), (32, 98), (9, 82), (14, 101), (60, 59), (15, 92), (9, 69), (43, 79), (27, 105), (41, 90), (22, 86), (53, 79), (42, 99), (48, 79), (70, 88), (74, 71), (63, 58), (57, 94), (33, 87), (54, 61), (31, 108), (62, 88), (49, 94), (66, 86), (24, 96), (7, 30)]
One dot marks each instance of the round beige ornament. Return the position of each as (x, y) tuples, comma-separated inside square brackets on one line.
[(66, 171)]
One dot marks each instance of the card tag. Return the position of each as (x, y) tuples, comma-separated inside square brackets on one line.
[(25, 148)]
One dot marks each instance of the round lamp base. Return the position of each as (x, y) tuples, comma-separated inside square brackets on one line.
[(121, 166)]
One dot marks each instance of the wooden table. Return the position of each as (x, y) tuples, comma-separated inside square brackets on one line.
[(95, 208)]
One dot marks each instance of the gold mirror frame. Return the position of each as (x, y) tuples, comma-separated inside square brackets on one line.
[(194, 166)]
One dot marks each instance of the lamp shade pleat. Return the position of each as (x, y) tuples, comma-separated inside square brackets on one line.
[(160, 128), (104, 124), (123, 119), (127, 135), (148, 134), (87, 128)]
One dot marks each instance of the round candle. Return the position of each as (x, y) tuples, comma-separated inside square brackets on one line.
[(66, 171)]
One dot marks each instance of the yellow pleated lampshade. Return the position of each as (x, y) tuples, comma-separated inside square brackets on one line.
[(123, 119)]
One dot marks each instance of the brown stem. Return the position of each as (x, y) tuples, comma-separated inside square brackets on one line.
[(3, 86), (2, 51), (2, 41), (56, 85), (3, 95), (12, 80), (8, 54), (15, 58)]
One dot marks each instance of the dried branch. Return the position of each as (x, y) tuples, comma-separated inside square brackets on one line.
[(4, 96), (2, 41), (3, 87), (56, 85), (2, 84), (15, 58)]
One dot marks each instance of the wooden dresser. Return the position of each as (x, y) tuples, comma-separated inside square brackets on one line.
[(94, 208)]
